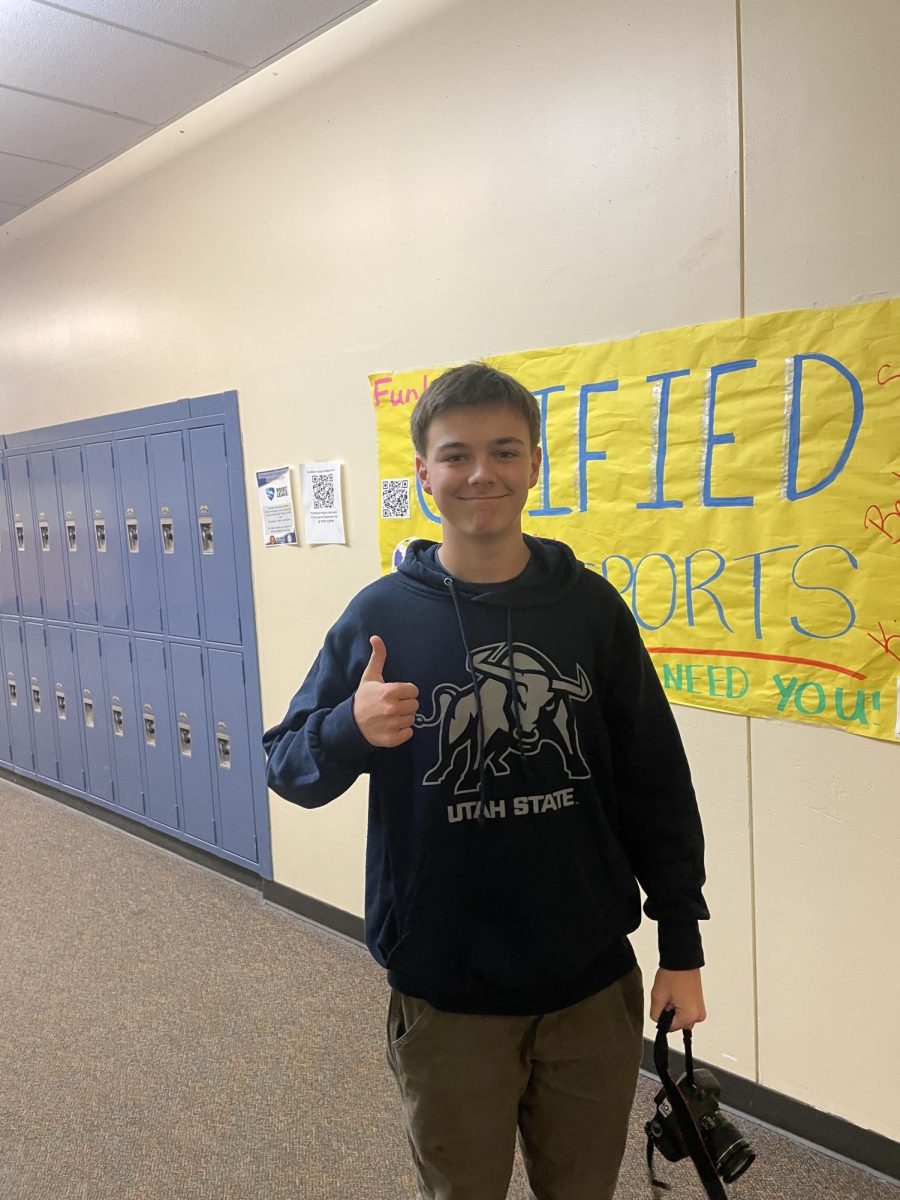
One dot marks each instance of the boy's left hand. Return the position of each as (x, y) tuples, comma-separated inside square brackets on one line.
[(681, 990)]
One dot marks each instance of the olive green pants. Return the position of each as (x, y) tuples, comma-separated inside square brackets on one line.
[(563, 1083)]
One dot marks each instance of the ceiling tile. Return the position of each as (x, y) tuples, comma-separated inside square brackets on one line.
[(234, 29), (22, 180), (62, 133), (71, 58), (8, 211)]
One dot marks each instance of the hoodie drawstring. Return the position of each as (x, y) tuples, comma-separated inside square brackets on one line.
[(482, 790)]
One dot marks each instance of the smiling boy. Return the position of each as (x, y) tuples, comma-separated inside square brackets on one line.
[(525, 774)]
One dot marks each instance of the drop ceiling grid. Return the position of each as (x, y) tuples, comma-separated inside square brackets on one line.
[(81, 83)]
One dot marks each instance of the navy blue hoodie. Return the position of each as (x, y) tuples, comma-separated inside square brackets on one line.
[(544, 779)]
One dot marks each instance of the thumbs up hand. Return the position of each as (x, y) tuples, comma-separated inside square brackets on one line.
[(384, 712)]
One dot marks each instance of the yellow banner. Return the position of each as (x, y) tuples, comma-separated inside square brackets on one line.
[(738, 483)]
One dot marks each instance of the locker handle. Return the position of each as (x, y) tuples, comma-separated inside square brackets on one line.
[(132, 526), (118, 720), (20, 535), (45, 535), (13, 694), (61, 704), (89, 713), (100, 531), (36, 697), (184, 738), (72, 535), (149, 729), (206, 535), (223, 750), (167, 526)]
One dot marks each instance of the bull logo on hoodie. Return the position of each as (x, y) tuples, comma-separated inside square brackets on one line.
[(525, 705)]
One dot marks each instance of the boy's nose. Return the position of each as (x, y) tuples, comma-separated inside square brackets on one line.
[(482, 471)]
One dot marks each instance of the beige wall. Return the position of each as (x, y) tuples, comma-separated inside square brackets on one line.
[(433, 182)]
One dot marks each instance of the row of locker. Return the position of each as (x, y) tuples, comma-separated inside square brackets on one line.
[(155, 728), (128, 532)]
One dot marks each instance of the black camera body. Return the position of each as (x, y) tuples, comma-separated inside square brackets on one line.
[(730, 1153)]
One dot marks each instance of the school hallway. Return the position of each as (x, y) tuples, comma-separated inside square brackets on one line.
[(166, 1034)]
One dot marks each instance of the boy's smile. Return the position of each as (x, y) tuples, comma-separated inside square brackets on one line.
[(479, 467)]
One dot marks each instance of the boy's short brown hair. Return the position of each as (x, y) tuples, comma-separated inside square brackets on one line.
[(473, 385)]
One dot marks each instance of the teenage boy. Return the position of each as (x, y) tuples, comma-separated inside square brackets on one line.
[(525, 773)]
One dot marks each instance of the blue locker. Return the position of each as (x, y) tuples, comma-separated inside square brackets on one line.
[(18, 697), (49, 535), (157, 730), (234, 757), (140, 539), (174, 531), (9, 600), (94, 715), (192, 742), (105, 534), (124, 721), (66, 705), (5, 748), (24, 535), (78, 534), (43, 704), (215, 535)]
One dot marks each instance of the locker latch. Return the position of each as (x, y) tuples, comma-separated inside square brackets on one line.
[(72, 535), (88, 713), (167, 525), (184, 738), (100, 531), (35, 697), (45, 535), (13, 694), (150, 729), (20, 535), (61, 704), (132, 526), (206, 535), (118, 720), (223, 749)]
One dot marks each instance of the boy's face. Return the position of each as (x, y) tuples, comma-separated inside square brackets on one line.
[(479, 466)]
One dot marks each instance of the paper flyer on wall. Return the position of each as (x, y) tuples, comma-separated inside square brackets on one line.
[(277, 506), (323, 508)]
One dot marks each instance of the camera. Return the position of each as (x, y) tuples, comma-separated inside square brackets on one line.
[(730, 1153)]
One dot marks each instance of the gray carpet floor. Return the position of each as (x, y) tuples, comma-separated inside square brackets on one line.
[(166, 1034)]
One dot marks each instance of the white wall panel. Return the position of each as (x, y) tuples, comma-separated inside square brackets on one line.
[(821, 105)]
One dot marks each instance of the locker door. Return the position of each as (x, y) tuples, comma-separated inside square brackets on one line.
[(234, 758), (18, 698), (140, 534), (78, 534), (43, 704), (9, 600), (66, 704), (157, 731), (105, 534), (124, 720), (192, 742), (174, 531), (49, 535), (94, 715), (215, 534), (24, 535), (5, 749)]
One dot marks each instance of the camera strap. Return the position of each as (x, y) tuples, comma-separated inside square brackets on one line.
[(690, 1134)]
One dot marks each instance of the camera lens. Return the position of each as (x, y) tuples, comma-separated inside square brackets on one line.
[(731, 1153)]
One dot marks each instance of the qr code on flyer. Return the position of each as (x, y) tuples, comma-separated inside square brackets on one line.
[(323, 490), (395, 499)]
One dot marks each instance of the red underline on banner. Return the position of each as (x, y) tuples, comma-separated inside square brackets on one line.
[(786, 658)]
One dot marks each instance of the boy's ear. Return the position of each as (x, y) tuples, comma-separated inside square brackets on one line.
[(422, 472), (535, 466)]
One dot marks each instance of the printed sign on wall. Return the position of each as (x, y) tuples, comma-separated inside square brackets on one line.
[(738, 483)]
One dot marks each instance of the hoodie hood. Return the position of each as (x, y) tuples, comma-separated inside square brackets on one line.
[(551, 574)]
